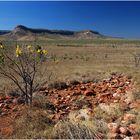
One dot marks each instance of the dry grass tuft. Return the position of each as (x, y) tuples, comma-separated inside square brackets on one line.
[(73, 130), (32, 124), (108, 113)]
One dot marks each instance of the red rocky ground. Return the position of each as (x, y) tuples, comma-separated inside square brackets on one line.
[(92, 94), (74, 97)]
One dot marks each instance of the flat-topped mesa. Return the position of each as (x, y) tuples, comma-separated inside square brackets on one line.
[(61, 32), (22, 32)]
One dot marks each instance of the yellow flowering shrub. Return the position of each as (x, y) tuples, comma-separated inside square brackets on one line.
[(22, 67)]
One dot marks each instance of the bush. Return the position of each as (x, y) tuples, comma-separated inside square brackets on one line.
[(22, 66)]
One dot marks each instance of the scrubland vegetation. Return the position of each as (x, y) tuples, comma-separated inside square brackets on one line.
[(69, 62)]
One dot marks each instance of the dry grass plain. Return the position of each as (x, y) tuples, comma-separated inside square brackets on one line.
[(93, 61), (70, 61)]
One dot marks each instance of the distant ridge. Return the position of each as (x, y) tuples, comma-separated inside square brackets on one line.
[(2, 32), (21, 32)]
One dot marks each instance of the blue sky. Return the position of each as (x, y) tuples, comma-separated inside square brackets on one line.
[(121, 19)]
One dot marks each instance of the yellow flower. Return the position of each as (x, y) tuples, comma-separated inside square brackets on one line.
[(38, 51), (29, 46), (1, 46), (56, 61), (31, 50), (44, 51), (18, 51)]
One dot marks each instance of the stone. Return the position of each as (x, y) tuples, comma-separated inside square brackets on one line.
[(82, 114), (128, 117), (128, 138), (89, 93), (119, 91), (123, 130), (3, 113), (83, 88), (7, 97), (124, 106), (1, 105), (116, 101), (113, 135), (116, 95), (133, 128), (6, 106), (113, 127), (134, 105), (128, 101), (14, 109), (18, 100)]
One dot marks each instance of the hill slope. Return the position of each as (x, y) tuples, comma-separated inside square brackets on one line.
[(21, 32)]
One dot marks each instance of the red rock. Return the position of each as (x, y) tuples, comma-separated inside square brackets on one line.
[(76, 92), (118, 84), (118, 91), (7, 131), (2, 105), (123, 130), (134, 105), (113, 127), (1, 98), (106, 94), (116, 101), (116, 96), (6, 106), (3, 113), (121, 84), (7, 97), (14, 109), (133, 126), (83, 88), (113, 135), (93, 85), (104, 88), (128, 117), (127, 102), (89, 93), (18, 100), (57, 116)]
